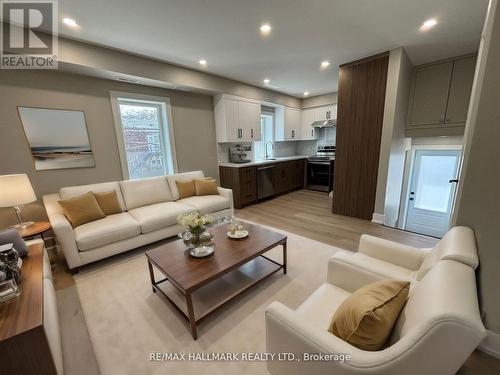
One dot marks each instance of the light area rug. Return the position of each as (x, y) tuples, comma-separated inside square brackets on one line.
[(127, 321)]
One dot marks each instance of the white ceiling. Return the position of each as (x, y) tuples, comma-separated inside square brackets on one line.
[(304, 32)]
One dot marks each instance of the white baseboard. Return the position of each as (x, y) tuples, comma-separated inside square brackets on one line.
[(491, 344), (378, 218)]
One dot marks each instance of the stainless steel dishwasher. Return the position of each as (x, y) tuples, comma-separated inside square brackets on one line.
[(265, 187)]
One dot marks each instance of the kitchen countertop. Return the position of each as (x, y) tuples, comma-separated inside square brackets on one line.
[(262, 162)]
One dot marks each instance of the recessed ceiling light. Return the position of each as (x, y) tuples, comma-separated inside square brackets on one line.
[(429, 24), (203, 62), (70, 22), (265, 28), (306, 93), (267, 80), (325, 64)]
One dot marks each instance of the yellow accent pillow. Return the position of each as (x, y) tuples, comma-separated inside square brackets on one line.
[(206, 187), (82, 209), (109, 203), (186, 188), (366, 318)]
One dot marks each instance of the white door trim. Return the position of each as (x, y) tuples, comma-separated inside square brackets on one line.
[(410, 172)]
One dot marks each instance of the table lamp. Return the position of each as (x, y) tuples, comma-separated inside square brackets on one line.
[(15, 191)]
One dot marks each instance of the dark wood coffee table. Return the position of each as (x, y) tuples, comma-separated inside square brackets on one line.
[(197, 287)]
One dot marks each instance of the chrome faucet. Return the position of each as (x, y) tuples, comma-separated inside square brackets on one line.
[(272, 148)]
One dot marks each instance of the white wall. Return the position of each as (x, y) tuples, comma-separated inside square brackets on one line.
[(392, 145), (478, 202)]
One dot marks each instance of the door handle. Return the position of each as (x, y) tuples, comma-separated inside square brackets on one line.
[(251, 133), (453, 181)]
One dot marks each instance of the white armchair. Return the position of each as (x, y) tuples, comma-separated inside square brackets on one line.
[(435, 333), (395, 260)]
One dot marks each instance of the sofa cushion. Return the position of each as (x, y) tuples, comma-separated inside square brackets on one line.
[(108, 201), (158, 216), (366, 318), (320, 305), (138, 193), (380, 267), (186, 189), (82, 209), (74, 191), (206, 204), (101, 232), (181, 177), (206, 187)]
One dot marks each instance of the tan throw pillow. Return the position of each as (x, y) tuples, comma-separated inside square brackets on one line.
[(108, 201), (186, 188), (366, 318), (82, 209), (206, 187)]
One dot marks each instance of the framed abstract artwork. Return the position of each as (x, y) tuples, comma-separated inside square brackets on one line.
[(57, 138)]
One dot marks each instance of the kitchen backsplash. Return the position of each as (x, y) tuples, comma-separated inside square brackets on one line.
[(285, 148)]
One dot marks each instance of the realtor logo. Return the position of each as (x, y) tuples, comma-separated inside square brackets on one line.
[(29, 35)]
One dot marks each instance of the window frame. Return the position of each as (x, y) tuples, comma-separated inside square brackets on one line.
[(262, 135), (166, 129)]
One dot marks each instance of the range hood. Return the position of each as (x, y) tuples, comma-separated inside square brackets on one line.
[(324, 123)]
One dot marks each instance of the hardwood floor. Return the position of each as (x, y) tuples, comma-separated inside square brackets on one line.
[(308, 214)]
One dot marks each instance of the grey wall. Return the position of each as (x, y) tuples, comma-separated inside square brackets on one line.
[(392, 146), (88, 59), (192, 115), (317, 101), (478, 202)]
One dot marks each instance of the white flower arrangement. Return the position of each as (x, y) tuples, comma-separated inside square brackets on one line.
[(194, 220)]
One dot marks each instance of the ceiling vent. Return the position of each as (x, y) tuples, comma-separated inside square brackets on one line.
[(128, 80)]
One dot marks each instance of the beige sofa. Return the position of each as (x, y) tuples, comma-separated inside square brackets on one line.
[(435, 333), (150, 209)]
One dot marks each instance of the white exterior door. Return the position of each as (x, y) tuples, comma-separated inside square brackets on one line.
[(432, 190)]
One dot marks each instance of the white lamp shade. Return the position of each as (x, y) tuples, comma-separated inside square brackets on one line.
[(15, 189)]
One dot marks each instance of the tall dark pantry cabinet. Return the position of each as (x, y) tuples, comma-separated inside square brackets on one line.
[(361, 99)]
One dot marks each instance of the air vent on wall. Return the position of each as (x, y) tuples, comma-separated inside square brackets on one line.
[(128, 80)]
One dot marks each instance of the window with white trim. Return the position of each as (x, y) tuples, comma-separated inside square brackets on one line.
[(144, 133), (267, 135)]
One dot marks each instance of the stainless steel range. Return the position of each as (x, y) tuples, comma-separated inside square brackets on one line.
[(320, 169)]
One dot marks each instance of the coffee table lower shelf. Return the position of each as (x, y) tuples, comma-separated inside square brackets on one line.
[(210, 297)]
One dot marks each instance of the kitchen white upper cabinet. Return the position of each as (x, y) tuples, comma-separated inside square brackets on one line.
[(308, 117), (327, 112), (236, 120), (249, 120), (288, 125)]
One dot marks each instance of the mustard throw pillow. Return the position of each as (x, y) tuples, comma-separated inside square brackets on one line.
[(82, 209), (366, 318), (186, 188), (206, 187), (109, 203)]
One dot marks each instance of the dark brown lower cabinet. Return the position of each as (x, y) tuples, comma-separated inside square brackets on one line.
[(360, 112), (287, 176)]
